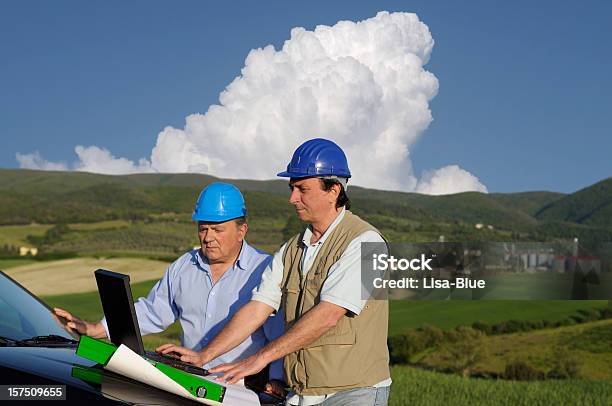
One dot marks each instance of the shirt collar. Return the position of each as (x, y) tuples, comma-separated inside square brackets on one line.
[(308, 232), (242, 261)]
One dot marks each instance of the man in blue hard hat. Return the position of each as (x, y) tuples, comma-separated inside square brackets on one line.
[(335, 347), (206, 286)]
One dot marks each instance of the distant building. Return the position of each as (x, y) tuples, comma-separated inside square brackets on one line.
[(564, 263), (23, 251)]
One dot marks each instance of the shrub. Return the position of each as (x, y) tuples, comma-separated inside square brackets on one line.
[(432, 336), (536, 324), (606, 313), (402, 347), (522, 371), (463, 349), (566, 365), (482, 326), (590, 314)]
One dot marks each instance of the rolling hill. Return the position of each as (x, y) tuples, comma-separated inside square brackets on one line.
[(590, 206), (43, 197)]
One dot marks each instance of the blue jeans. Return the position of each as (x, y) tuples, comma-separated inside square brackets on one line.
[(359, 397)]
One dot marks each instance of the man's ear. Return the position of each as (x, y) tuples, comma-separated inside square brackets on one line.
[(242, 230), (334, 192)]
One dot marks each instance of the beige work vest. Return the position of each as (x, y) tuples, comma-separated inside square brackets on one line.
[(352, 354)]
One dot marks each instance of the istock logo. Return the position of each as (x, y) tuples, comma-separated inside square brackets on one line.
[(383, 262)]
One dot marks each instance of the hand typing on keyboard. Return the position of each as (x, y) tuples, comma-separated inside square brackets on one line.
[(175, 362)]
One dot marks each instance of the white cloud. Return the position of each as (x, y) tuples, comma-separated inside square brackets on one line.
[(35, 161), (447, 180), (361, 84), (100, 160)]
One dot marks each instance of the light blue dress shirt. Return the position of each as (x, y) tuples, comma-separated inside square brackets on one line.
[(186, 292)]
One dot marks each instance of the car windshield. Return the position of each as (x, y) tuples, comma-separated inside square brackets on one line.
[(22, 316)]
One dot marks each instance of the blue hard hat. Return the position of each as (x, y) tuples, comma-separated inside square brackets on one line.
[(317, 157), (219, 202)]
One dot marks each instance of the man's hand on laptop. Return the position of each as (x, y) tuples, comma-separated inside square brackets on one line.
[(276, 388), (186, 355), (95, 330)]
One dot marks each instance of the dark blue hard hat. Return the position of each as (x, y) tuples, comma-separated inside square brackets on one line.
[(317, 157), (219, 202)]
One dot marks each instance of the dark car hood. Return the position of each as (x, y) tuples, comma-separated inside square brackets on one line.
[(63, 366)]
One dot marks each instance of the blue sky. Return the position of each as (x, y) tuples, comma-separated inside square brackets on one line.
[(524, 101)]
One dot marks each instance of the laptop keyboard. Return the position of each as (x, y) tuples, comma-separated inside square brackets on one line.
[(175, 363)]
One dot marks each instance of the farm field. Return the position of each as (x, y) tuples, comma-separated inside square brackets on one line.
[(415, 387), (100, 225), (588, 345), (448, 314), (166, 236), (11, 263), (403, 315), (76, 274), (48, 278), (16, 235)]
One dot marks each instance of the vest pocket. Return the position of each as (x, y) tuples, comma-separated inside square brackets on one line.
[(341, 334), (289, 303), (332, 366)]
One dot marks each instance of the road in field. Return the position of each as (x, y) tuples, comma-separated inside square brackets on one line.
[(76, 275)]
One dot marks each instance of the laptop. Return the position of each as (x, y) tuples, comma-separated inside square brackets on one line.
[(118, 306)]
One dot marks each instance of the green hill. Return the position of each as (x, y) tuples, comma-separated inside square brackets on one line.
[(590, 206), (527, 202), (43, 197), (52, 197)]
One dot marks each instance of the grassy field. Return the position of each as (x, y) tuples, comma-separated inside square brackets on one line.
[(76, 274), (403, 315), (11, 263), (100, 225), (416, 387), (16, 235), (587, 345), (406, 315), (166, 236)]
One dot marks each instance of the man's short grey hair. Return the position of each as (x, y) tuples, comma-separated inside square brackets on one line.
[(341, 181)]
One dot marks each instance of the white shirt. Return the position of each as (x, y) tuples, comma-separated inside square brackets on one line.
[(342, 286)]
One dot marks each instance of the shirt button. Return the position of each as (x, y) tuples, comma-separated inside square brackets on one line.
[(212, 293), (209, 315)]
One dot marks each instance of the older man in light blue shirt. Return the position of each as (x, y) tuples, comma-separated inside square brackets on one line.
[(206, 286), (187, 292)]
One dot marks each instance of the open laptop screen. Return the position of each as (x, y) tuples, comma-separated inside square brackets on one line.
[(118, 306)]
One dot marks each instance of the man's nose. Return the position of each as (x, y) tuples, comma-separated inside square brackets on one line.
[(209, 236), (294, 197)]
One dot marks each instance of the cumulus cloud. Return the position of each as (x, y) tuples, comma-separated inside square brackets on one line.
[(35, 161), (361, 84), (100, 160), (447, 180), (91, 159)]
